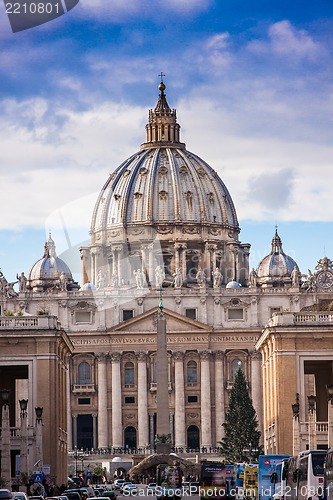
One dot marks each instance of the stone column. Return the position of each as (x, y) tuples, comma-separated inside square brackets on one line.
[(206, 419), (172, 426), (75, 430), (5, 447), (150, 249), (330, 421), (256, 388), (151, 430), (184, 272), (206, 265), (117, 421), (95, 439), (219, 396), (119, 249), (177, 248), (103, 441), (69, 410), (143, 427), (24, 444), (312, 423), (180, 439)]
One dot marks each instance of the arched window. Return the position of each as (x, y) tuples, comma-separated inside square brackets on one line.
[(129, 373), (235, 365), (83, 373), (192, 373)]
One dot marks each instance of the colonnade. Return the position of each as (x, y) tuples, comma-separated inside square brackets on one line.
[(114, 262), (207, 411)]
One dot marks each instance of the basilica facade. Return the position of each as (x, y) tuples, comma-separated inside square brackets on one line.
[(165, 228)]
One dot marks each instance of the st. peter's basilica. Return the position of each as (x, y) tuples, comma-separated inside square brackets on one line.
[(165, 227)]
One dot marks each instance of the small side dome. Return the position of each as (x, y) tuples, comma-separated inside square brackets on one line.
[(89, 286), (233, 284), (50, 272), (117, 459), (276, 268)]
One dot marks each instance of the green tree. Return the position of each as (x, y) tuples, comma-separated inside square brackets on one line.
[(241, 434)]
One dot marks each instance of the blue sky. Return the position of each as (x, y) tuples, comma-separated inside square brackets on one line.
[(252, 84)]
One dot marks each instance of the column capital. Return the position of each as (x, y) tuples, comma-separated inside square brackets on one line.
[(101, 356), (178, 355), (141, 356), (115, 356), (255, 355), (204, 355), (219, 355)]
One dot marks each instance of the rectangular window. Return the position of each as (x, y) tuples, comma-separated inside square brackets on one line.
[(235, 314), (84, 401), (192, 399), (82, 317), (128, 314), (274, 310), (191, 313), (129, 400)]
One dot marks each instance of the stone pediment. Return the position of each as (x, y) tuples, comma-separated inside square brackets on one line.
[(147, 323)]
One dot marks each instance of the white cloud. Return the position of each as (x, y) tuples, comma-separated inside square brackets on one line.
[(119, 9), (285, 41)]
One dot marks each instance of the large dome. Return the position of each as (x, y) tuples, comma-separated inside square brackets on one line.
[(164, 183), (163, 207)]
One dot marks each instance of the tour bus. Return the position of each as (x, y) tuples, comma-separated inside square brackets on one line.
[(290, 477), (250, 483), (310, 474), (239, 481), (267, 475), (280, 485), (328, 475), (213, 482), (169, 482)]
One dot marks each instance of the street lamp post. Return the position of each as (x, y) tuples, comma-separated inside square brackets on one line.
[(39, 436), (296, 433), (312, 423), (24, 440), (5, 439)]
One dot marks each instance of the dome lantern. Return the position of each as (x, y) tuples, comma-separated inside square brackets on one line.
[(162, 128)]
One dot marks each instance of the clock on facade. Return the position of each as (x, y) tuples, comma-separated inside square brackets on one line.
[(325, 279)]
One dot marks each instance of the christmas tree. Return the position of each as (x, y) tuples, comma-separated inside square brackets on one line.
[(241, 439)]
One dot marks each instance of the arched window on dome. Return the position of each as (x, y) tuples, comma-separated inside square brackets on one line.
[(84, 373), (129, 374), (192, 373), (235, 365)]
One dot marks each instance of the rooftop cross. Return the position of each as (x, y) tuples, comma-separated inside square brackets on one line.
[(161, 75)]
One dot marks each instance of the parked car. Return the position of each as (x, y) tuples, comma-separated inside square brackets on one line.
[(107, 494), (5, 494), (117, 483), (129, 489), (72, 495), (19, 495)]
